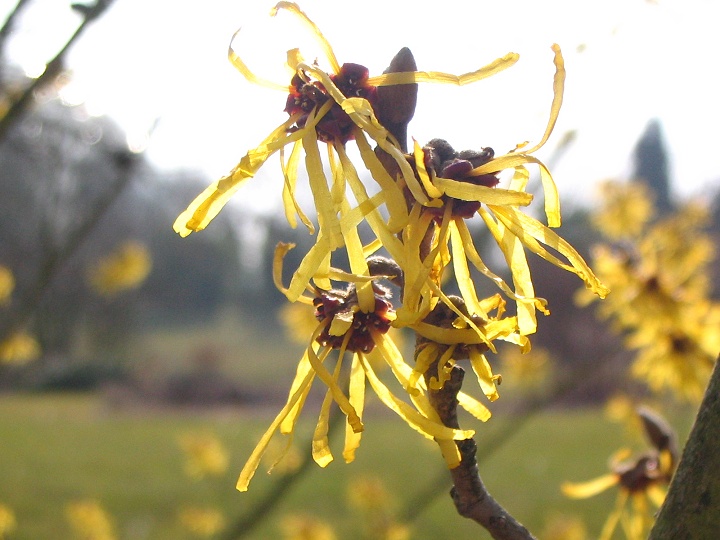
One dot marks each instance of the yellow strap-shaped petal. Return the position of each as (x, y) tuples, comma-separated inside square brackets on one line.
[(419, 156), (326, 210), (474, 407), (337, 393), (395, 200), (287, 426), (462, 273), (530, 231), (253, 461), (320, 444), (327, 49), (356, 391), (474, 257), (290, 203), (397, 208), (514, 254), (558, 91), (414, 419), (409, 77), (466, 191), (514, 160), (449, 336), (358, 264), (246, 72), (280, 251), (583, 490), (208, 204), (484, 374), (321, 453)]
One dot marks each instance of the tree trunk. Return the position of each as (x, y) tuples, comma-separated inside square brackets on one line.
[(692, 507)]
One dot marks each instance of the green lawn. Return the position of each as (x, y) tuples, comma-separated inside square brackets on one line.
[(55, 449)]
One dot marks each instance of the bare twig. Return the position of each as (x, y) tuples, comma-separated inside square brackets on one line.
[(469, 494), (53, 68), (471, 497)]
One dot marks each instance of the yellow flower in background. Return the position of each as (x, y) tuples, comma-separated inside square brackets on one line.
[(19, 348), (624, 209), (281, 457), (528, 371), (368, 496), (679, 357), (561, 527), (7, 521), (203, 522), (299, 321), (89, 521), (661, 285), (303, 527), (205, 455), (641, 481), (123, 269), (7, 284)]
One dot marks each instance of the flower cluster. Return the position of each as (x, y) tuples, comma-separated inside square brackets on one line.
[(661, 288), (418, 215), (640, 480)]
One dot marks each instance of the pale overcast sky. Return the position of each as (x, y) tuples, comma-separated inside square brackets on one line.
[(627, 61)]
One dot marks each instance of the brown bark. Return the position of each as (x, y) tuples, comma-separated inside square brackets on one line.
[(692, 507), (471, 498)]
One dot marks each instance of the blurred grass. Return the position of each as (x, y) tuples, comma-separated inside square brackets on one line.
[(58, 448)]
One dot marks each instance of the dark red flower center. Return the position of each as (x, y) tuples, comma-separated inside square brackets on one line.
[(328, 304), (445, 162), (336, 125)]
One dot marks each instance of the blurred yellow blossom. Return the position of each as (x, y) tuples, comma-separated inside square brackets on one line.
[(661, 284), (7, 284), (529, 371), (204, 522), (89, 521), (282, 458), (7, 521), (641, 481), (562, 527), (624, 209), (205, 455), (621, 408), (123, 269), (303, 527), (19, 348), (368, 496), (299, 321)]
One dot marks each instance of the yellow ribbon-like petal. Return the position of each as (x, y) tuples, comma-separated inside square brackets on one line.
[(471, 192), (410, 77), (412, 417), (327, 49), (356, 391), (530, 231), (514, 160), (558, 91), (484, 374), (583, 490), (253, 461)]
